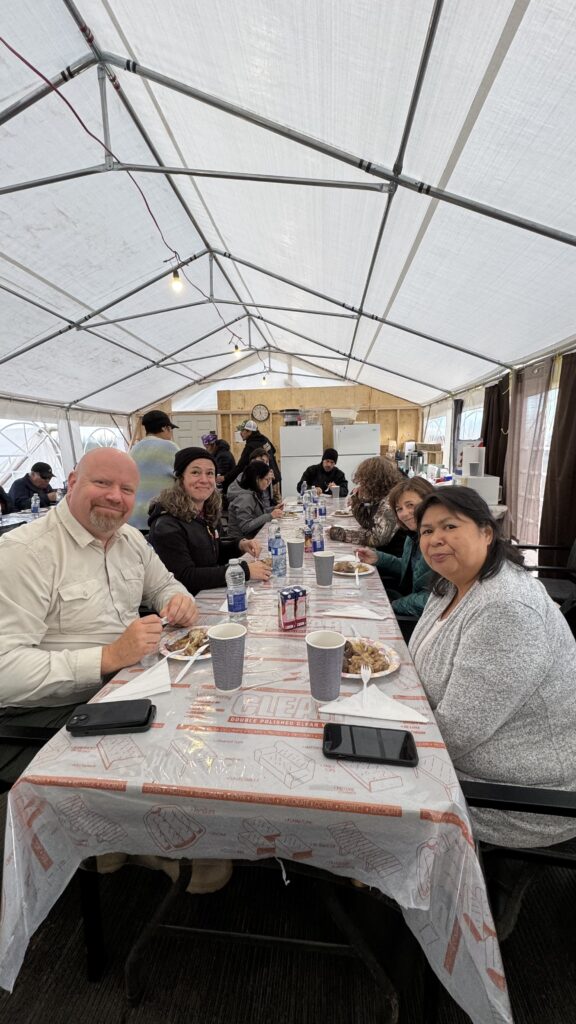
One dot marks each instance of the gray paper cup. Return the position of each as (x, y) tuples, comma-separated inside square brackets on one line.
[(325, 657), (295, 553), (324, 567), (227, 642)]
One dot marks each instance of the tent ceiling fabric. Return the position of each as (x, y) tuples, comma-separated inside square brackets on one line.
[(88, 316)]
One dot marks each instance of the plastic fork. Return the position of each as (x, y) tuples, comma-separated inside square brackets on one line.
[(366, 675), (190, 663)]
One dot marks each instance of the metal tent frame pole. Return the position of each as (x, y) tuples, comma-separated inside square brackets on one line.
[(275, 179), (355, 310), (344, 356), (370, 167), (52, 179), (399, 162), (77, 324), (89, 60)]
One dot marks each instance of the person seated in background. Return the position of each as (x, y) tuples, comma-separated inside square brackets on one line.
[(410, 573), (184, 526), (374, 479), (324, 477), (268, 496), (219, 450), (37, 481), (70, 616), (498, 663), (5, 503), (248, 509)]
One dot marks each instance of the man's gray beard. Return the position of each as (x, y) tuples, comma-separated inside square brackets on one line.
[(105, 524)]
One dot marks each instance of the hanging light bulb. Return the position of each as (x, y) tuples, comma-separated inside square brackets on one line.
[(237, 350), (176, 281), (264, 381)]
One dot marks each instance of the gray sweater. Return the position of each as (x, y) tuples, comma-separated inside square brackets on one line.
[(500, 675)]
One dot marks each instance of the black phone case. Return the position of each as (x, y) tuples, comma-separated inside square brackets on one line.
[(122, 716), (408, 763)]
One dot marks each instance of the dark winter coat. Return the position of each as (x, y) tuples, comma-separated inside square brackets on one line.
[(225, 461), (256, 440), (316, 476)]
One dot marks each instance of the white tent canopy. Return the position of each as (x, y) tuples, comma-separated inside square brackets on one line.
[(378, 191)]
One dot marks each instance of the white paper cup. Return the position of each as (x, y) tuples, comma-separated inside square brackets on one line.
[(324, 567), (325, 657), (227, 643)]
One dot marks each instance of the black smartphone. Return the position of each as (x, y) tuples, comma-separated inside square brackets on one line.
[(111, 718), (367, 743)]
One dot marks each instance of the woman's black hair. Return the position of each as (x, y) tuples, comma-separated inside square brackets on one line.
[(464, 501), (254, 471)]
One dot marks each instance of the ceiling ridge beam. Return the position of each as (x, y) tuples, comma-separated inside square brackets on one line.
[(274, 179)]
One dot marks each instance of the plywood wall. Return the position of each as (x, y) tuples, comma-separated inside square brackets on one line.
[(399, 420)]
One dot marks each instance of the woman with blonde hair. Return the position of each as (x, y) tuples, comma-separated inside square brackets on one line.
[(374, 479)]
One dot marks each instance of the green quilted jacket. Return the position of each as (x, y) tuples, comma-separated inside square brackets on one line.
[(413, 603)]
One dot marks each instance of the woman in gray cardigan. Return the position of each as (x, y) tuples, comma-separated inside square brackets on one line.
[(249, 509), (498, 663)]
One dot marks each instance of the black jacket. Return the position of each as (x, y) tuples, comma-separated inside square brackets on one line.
[(191, 551), (316, 476), (225, 461), (5, 503), (21, 492), (256, 440)]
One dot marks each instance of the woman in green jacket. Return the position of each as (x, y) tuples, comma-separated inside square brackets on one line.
[(412, 577)]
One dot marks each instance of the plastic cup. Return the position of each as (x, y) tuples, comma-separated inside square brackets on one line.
[(325, 658), (295, 553), (324, 567), (227, 643)]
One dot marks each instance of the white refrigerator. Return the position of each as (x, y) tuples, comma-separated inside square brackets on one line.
[(300, 447), (355, 442)]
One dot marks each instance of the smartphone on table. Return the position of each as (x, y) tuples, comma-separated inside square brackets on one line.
[(371, 744), (121, 716)]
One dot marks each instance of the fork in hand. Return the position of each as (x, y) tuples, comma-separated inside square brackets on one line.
[(366, 675)]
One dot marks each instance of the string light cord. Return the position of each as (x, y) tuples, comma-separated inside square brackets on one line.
[(175, 254)]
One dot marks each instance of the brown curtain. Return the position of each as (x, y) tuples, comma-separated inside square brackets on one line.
[(530, 398), (495, 427), (558, 524)]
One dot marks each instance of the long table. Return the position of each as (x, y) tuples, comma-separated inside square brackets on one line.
[(242, 776)]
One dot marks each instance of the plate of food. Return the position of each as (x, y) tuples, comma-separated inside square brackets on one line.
[(290, 513), (343, 513), (360, 651), (348, 567), (184, 643)]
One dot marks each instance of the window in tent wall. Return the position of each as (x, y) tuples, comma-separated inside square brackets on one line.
[(102, 437), (24, 442)]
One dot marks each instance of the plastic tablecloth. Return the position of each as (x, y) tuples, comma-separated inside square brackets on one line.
[(242, 776)]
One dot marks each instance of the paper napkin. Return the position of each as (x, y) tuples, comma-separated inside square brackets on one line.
[(153, 680), (378, 706), (350, 611)]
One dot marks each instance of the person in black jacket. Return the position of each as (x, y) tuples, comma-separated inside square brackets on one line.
[(220, 452), (324, 477), (184, 522), (37, 481), (253, 439), (5, 503)]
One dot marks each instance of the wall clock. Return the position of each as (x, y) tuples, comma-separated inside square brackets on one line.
[(260, 412)]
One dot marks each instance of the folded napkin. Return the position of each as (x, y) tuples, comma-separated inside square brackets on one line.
[(350, 611), (377, 706), (153, 680)]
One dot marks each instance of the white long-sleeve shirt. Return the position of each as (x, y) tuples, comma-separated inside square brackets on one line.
[(63, 596)]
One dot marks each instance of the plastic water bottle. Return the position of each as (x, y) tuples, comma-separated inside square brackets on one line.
[(322, 507), (273, 533), (236, 590), (303, 488), (35, 505), (317, 536), (279, 554)]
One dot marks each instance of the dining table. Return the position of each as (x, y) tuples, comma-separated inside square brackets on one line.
[(242, 775)]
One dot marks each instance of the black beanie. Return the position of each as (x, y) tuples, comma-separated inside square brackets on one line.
[(330, 453), (185, 456)]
